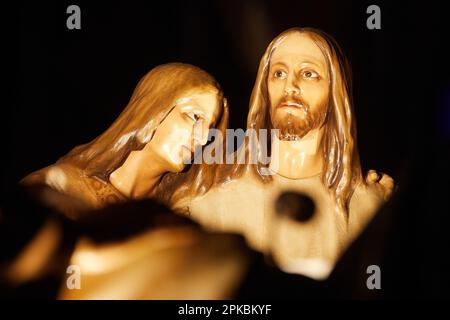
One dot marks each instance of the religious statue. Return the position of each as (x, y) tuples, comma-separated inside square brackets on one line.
[(302, 95), (303, 91), (165, 123), (166, 120)]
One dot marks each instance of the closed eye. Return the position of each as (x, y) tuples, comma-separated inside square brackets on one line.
[(193, 116)]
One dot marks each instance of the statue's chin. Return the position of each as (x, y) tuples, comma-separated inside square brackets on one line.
[(177, 167), (292, 129), (291, 137), (293, 134)]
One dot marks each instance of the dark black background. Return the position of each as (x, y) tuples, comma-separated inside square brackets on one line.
[(72, 84)]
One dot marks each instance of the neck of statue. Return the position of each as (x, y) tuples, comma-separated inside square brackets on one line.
[(139, 174), (299, 158)]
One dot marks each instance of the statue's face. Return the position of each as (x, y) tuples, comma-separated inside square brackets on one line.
[(298, 85), (186, 127)]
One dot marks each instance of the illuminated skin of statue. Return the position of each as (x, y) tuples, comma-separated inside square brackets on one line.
[(168, 116), (164, 153), (302, 89)]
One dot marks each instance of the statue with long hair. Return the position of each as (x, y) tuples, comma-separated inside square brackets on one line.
[(167, 118), (303, 90)]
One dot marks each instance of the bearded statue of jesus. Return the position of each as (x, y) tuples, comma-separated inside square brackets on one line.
[(302, 89)]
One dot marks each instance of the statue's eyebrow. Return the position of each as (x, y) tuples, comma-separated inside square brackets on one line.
[(190, 107), (313, 60), (317, 64), (279, 63)]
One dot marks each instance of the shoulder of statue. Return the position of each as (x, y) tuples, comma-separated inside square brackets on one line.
[(105, 192), (74, 182), (34, 178)]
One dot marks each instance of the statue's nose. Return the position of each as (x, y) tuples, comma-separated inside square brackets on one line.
[(292, 87), (200, 134)]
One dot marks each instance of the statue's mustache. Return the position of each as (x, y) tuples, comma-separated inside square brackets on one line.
[(293, 101)]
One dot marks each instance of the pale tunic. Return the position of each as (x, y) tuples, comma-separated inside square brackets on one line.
[(247, 206)]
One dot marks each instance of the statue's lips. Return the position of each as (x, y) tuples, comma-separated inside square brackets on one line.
[(290, 104)]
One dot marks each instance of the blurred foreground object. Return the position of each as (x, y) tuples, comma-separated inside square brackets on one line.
[(132, 250), (170, 261)]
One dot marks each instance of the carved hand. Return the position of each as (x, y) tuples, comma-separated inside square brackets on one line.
[(383, 183)]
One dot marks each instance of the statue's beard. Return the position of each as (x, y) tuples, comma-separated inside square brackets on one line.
[(292, 127)]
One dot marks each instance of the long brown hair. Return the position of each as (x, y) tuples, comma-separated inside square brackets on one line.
[(152, 100), (342, 170)]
